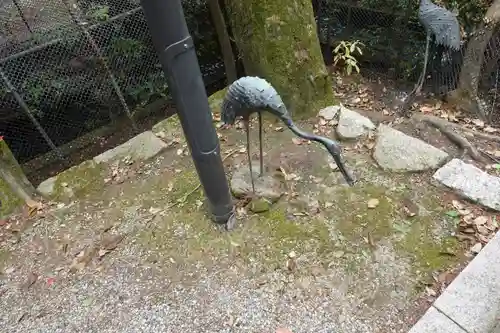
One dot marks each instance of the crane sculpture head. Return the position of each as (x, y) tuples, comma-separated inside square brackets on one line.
[(248, 95)]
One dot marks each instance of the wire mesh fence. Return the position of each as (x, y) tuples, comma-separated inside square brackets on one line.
[(69, 67), (394, 43)]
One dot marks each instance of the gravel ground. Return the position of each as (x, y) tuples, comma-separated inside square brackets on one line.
[(175, 272)]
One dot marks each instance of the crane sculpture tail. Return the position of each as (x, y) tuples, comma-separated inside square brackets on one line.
[(253, 94)]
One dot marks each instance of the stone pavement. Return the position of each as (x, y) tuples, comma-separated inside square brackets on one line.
[(471, 303)]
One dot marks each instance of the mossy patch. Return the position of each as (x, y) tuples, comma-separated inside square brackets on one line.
[(171, 124), (363, 227), (215, 100), (78, 181)]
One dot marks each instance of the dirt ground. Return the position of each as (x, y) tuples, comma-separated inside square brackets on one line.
[(141, 256)]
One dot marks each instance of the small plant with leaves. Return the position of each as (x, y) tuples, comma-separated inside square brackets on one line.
[(344, 55), (99, 13)]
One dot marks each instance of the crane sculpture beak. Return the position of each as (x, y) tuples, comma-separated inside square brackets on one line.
[(335, 152)]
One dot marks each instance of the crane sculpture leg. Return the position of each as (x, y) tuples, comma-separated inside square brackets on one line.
[(421, 80), (249, 155), (260, 145)]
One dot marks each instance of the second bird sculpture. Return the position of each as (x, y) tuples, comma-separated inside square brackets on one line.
[(251, 94)]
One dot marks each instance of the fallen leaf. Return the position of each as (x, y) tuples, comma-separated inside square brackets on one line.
[(469, 231), (430, 292), (480, 220), (373, 203), (279, 129), (426, 109), (333, 166), (297, 141), (338, 254), (50, 281), (489, 129), (457, 204), (154, 211), (476, 248), (409, 207), (478, 122), (483, 230)]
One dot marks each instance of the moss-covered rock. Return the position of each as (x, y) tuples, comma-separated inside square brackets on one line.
[(78, 181), (278, 41), (12, 172), (260, 205)]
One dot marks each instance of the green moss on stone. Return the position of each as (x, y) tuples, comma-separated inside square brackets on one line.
[(78, 181), (413, 237), (215, 100), (278, 41)]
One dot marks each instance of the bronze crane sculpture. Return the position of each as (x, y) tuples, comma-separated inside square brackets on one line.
[(251, 94)]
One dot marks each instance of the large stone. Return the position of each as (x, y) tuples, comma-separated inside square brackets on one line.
[(398, 152), (471, 182), (435, 322), (73, 182), (353, 125), (472, 300), (140, 148), (329, 112), (267, 186)]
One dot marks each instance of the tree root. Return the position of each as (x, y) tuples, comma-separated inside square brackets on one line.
[(446, 128)]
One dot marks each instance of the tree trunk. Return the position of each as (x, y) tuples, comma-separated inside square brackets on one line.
[(471, 67), (277, 40), (224, 40)]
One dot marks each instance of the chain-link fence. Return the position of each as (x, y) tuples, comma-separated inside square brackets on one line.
[(70, 67), (394, 42)]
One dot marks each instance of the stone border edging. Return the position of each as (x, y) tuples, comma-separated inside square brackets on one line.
[(471, 303)]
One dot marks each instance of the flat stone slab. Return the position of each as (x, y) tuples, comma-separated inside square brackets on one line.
[(140, 148), (352, 125), (471, 182), (473, 299), (398, 152), (267, 186), (70, 183), (434, 321)]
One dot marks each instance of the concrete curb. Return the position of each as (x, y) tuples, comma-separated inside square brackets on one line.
[(471, 303)]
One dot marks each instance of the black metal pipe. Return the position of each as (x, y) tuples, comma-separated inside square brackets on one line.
[(179, 61)]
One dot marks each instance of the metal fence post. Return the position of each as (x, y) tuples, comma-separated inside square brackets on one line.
[(175, 47)]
